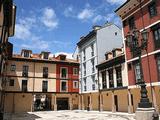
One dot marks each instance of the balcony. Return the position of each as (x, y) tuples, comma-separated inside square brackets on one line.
[(25, 74)]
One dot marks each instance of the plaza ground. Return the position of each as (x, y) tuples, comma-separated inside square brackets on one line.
[(70, 115)]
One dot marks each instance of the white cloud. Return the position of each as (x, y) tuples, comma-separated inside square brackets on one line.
[(85, 14), (49, 18), (116, 1), (69, 55), (68, 12), (98, 18)]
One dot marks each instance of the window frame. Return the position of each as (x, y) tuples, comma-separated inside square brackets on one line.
[(11, 82), (46, 85), (61, 72), (104, 79), (77, 71), (13, 67), (24, 88), (152, 5), (62, 87), (75, 86), (45, 72), (158, 67), (25, 71), (131, 23)]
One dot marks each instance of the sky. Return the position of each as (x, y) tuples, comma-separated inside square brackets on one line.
[(57, 25)]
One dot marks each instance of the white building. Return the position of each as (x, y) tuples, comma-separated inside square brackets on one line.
[(90, 51)]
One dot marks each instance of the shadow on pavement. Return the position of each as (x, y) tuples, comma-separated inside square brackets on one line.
[(20, 116)]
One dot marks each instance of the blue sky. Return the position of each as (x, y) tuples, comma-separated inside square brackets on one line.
[(57, 25)]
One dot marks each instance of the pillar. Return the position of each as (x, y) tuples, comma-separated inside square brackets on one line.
[(90, 102), (130, 106), (82, 102), (70, 102), (113, 103), (79, 102), (101, 101), (154, 99), (55, 102)]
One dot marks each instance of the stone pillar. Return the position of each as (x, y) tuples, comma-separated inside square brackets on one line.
[(154, 99), (55, 102), (130, 106), (113, 103), (82, 102), (101, 101), (79, 102), (90, 102), (70, 102)]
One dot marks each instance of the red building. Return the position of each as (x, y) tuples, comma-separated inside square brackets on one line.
[(143, 14), (67, 75)]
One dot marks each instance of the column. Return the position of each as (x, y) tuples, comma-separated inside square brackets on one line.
[(101, 101), (113, 103), (154, 99), (130, 106), (32, 105), (79, 102), (82, 102), (70, 102), (90, 102), (55, 102)]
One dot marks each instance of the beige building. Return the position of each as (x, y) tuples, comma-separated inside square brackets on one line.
[(31, 83), (7, 24)]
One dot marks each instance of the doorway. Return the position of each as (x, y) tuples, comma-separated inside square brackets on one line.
[(116, 102), (62, 104)]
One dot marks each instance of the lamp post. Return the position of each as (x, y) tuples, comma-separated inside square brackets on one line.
[(137, 47)]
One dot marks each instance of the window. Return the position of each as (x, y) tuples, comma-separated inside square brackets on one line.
[(75, 84), (114, 53), (111, 81), (64, 72), (92, 50), (11, 82), (25, 71), (63, 86), (131, 23), (104, 83), (115, 33), (26, 53), (152, 9), (45, 72), (158, 66), (84, 54), (119, 76), (45, 86), (24, 85), (84, 66), (92, 61), (45, 55), (93, 86), (137, 72), (13, 67), (75, 71), (156, 33)]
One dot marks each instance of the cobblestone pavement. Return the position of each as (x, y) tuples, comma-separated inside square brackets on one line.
[(70, 115)]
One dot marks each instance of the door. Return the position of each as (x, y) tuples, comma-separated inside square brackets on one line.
[(62, 104), (116, 102)]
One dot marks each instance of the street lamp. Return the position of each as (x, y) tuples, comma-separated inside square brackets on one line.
[(137, 47)]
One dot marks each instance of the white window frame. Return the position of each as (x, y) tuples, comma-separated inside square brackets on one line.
[(13, 68), (66, 85), (75, 69), (66, 72), (74, 85)]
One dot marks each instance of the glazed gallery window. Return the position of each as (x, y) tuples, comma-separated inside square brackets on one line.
[(63, 86), (119, 76), (26, 53), (152, 9), (137, 72), (11, 82), (111, 81), (25, 71), (104, 82), (75, 71), (13, 67), (24, 85), (75, 84), (45, 86), (158, 66), (45, 72), (45, 55), (156, 33), (64, 72)]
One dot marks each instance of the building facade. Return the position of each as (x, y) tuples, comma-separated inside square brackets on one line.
[(113, 81), (34, 79), (143, 15), (91, 50), (7, 24)]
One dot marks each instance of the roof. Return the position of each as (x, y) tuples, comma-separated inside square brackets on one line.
[(122, 5), (37, 58)]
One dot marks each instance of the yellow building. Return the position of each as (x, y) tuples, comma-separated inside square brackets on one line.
[(31, 83)]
